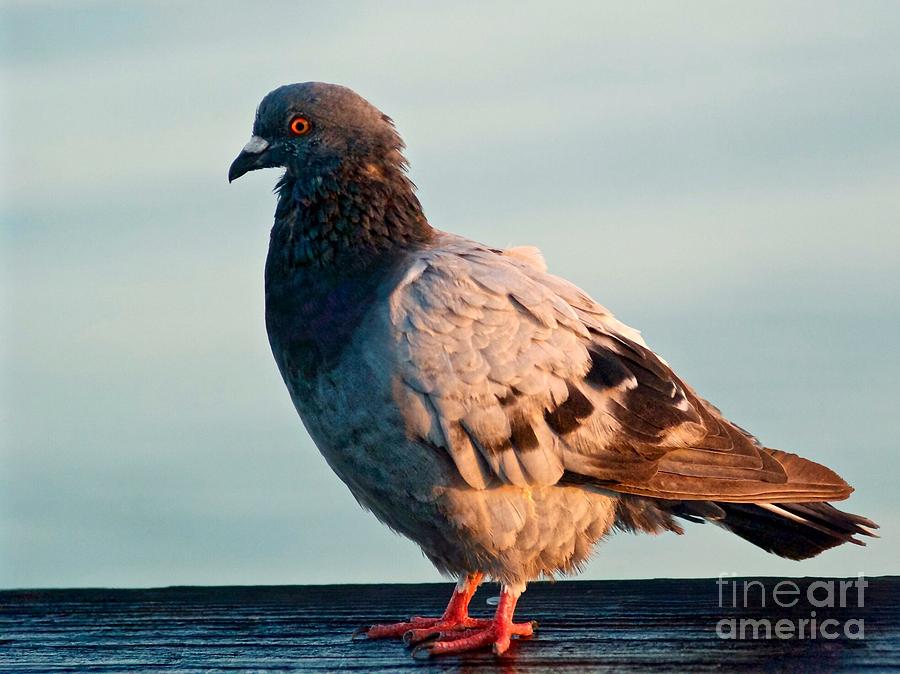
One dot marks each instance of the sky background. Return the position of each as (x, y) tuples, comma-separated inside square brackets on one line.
[(724, 176)]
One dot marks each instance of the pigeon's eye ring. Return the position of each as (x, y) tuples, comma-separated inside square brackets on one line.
[(300, 126)]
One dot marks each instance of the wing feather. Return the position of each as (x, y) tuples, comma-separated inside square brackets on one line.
[(523, 379)]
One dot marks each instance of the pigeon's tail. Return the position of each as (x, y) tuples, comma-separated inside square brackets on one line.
[(793, 530)]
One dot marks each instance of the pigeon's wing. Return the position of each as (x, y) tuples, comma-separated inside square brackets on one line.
[(523, 379)]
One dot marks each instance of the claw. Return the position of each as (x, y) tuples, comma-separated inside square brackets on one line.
[(455, 617), (422, 651), (455, 632), (497, 634)]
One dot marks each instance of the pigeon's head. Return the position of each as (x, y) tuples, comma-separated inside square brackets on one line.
[(314, 128)]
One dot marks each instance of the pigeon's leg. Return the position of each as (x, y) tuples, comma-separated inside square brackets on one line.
[(497, 633), (456, 617)]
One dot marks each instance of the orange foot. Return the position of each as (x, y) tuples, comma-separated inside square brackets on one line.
[(456, 617), (497, 633)]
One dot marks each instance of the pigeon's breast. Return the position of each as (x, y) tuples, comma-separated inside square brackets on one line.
[(350, 412), (310, 322)]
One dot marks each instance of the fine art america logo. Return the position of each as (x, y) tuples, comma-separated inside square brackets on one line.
[(817, 609)]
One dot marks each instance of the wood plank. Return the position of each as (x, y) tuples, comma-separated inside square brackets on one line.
[(598, 626)]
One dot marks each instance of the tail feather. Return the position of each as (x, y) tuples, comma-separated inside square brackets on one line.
[(794, 530)]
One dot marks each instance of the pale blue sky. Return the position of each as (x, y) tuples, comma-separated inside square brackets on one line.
[(724, 176)]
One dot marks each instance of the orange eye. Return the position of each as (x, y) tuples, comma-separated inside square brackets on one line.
[(300, 126)]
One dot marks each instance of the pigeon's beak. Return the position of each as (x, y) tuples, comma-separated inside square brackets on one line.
[(250, 158)]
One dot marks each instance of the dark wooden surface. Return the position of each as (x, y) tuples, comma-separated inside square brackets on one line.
[(654, 625)]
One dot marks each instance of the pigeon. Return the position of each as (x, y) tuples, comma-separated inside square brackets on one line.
[(488, 410)]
